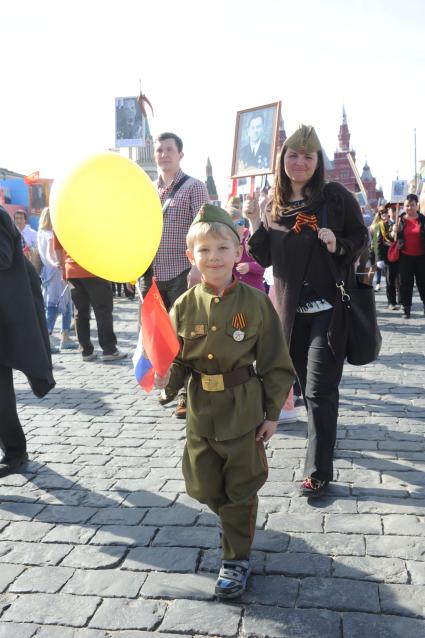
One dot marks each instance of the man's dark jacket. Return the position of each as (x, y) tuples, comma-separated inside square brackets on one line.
[(24, 341)]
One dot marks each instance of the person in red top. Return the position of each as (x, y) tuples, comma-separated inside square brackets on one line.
[(410, 233), (88, 290)]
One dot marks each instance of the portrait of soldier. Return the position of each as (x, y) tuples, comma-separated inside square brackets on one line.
[(256, 153)]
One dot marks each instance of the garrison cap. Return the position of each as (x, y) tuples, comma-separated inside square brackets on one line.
[(304, 140), (209, 214)]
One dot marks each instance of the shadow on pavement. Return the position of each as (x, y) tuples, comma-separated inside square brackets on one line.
[(297, 561)]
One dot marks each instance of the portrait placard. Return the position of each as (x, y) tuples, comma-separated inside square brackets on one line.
[(256, 139), (398, 191), (130, 125)]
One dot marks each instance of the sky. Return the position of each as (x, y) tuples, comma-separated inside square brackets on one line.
[(199, 63)]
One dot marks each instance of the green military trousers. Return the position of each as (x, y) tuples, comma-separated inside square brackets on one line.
[(226, 476)]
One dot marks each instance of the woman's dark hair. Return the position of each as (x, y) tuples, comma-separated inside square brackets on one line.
[(412, 197), (312, 191), (21, 211)]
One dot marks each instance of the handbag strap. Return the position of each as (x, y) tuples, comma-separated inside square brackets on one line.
[(173, 192), (165, 206), (336, 274)]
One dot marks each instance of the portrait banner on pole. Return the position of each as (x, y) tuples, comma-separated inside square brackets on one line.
[(256, 140), (398, 191), (130, 124)]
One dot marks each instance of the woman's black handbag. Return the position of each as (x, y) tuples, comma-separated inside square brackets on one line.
[(354, 327), (358, 313)]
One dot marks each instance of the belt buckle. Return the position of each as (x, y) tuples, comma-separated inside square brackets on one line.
[(212, 382)]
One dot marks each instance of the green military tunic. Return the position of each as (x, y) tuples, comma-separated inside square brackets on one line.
[(221, 334), (223, 465)]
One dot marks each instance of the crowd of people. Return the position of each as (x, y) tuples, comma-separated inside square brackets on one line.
[(406, 229), (251, 294)]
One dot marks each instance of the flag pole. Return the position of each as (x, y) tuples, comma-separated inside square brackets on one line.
[(139, 292), (357, 176), (416, 183)]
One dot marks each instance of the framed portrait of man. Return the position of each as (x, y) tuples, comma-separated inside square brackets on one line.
[(399, 190), (130, 127), (38, 196), (256, 139)]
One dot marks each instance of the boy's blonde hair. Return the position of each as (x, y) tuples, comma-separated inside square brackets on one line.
[(216, 229)]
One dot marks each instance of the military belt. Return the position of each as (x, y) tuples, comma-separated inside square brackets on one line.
[(218, 382)]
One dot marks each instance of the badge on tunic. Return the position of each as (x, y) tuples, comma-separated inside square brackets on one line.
[(239, 322), (199, 329)]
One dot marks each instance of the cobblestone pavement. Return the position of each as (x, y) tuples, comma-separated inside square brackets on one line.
[(98, 539)]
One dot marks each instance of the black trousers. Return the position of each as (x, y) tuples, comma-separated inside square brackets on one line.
[(391, 277), (116, 288), (97, 293), (12, 437), (319, 374), (411, 267), (170, 290)]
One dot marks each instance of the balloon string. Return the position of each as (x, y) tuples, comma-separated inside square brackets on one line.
[(139, 292)]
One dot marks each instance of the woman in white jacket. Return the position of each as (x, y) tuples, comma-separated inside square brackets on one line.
[(56, 294)]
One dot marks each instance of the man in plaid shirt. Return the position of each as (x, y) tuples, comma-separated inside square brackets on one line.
[(171, 266)]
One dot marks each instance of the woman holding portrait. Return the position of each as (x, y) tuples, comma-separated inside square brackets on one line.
[(383, 232), (307, 224)]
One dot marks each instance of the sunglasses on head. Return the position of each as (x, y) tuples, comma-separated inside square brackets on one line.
[(239, 222)]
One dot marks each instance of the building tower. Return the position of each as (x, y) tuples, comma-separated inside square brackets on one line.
[(342, 171), (369, 183), (210, 183), (145, 156), (344, 133)]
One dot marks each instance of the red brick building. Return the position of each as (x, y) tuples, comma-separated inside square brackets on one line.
[(369, 182), (341, 170)]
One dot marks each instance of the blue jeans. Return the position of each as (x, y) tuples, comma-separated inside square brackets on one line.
[(52, 314)]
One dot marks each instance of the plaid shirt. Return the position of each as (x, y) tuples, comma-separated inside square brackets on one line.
[(170, 260)]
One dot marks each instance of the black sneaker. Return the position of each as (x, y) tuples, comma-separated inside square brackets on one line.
[(165, 398), (114, 356), (90, 357), (12, 464)]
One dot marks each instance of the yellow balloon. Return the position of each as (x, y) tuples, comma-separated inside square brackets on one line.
[(108, 216)]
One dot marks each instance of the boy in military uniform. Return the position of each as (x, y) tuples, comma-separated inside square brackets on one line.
[(224, 326)]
